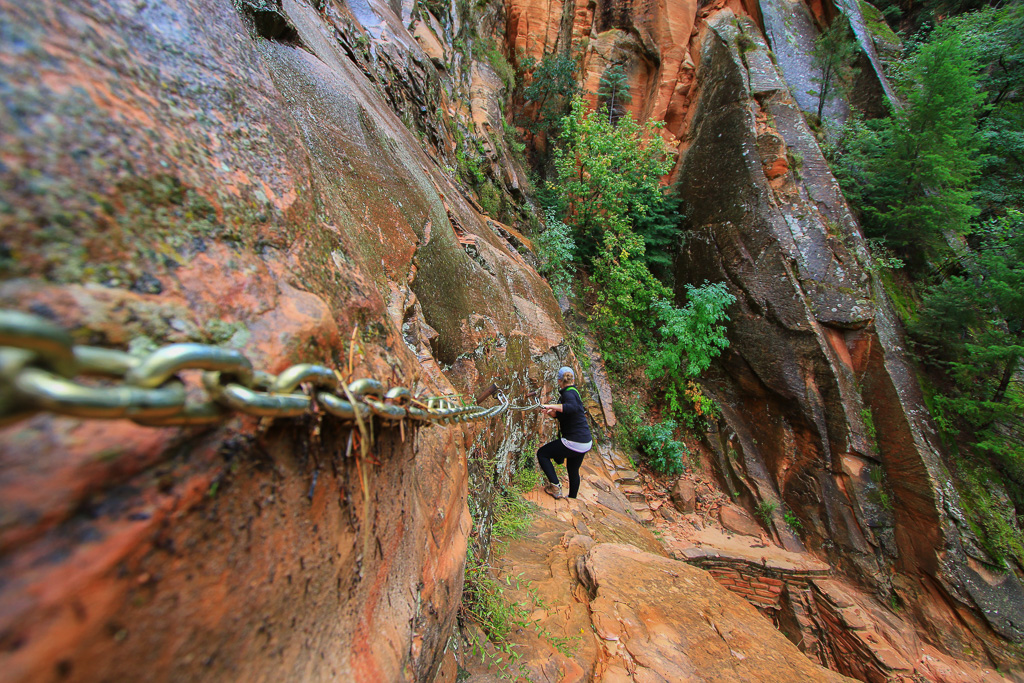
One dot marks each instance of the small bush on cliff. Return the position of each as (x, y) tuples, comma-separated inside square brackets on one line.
[(660, 449), (625, 295), (557, 250), (765, 510)]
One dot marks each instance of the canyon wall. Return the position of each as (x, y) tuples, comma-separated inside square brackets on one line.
[(823, 418), (279, 177), (822, 415), (198, 171)]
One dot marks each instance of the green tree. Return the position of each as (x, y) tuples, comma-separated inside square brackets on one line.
[(972, 325), (626, 293), (833, 54), (607, 175), (691, 338), (659, 227), (912, 174), (552, 87), (613, 91), (994, 39), (556, 249), (971, 328)]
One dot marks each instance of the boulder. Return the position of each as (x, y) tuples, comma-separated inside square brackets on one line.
[(684, 496), (739, 521), (663, 620)]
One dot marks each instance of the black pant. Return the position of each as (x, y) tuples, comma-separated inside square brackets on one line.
[(557, 451)]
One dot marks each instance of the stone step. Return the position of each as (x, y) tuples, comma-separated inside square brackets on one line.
[(628, 489), (626, 476), (644, 513)]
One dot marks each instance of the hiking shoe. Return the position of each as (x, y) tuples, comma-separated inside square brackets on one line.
[(554, 490)]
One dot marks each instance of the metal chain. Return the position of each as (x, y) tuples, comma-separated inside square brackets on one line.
[(39, 361)]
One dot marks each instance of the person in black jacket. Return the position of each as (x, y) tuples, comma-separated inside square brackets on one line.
[(574, 436)]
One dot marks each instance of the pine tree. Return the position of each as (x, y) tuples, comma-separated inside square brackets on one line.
[(613, 91), (833, 53), (913, 174)]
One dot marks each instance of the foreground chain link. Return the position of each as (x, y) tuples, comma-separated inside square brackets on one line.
[(39, 361)]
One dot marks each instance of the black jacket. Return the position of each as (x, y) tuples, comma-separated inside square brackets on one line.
[(572, 421)]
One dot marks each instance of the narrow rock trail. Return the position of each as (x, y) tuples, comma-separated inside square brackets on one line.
[(603, 587), (621, 585)]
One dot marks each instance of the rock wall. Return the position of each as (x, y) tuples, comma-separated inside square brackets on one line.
[(279, 177), (822, 416), (229, 174)]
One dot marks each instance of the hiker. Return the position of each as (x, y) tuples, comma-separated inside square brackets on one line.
[(574, 433)]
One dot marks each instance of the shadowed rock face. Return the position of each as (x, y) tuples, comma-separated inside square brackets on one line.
[(821, 411), (182, 172)]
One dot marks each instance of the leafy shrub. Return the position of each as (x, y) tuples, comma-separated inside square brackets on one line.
[(691, 337), (792, 521), (625, 292), (556, 249), (765, 510), (660, 450)]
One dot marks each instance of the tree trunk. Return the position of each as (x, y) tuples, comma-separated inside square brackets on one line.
[(1004, 382)]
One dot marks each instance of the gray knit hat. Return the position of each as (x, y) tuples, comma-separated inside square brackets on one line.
[(565, 370)]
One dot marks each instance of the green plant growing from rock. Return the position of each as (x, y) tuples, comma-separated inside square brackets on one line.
[(792, 521), (764, 511), (833, 54), (880, 495), (489, 51), (868, 418), (556, 249)]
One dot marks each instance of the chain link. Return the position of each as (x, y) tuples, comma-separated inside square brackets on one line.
[(39, 365)]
